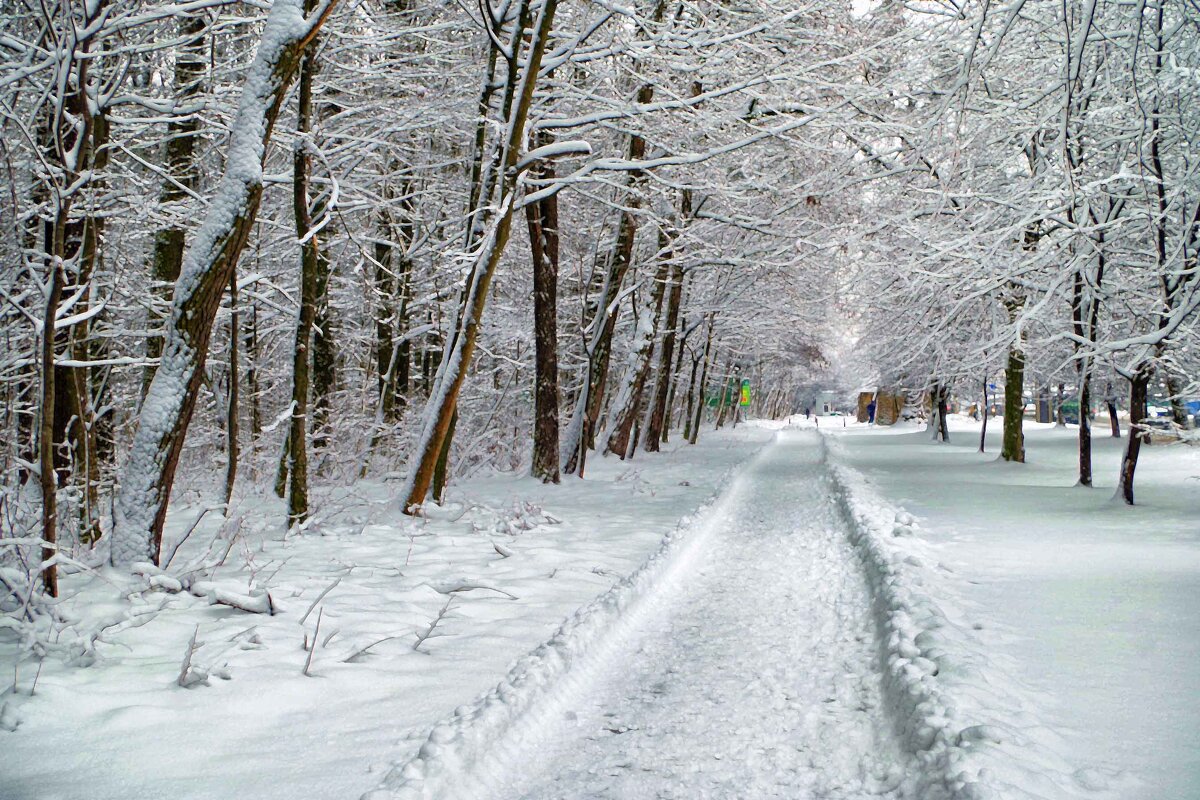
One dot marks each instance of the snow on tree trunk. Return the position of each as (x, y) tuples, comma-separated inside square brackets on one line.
[(656, 427), (443, 400), (641, 355), (141, 505), (183, 135)]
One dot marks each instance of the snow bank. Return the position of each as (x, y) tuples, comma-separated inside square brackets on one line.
[(908, 622), (956, 709), (460, 746)]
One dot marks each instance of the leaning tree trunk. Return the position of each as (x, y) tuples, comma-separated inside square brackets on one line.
[(629, 402), (141, 506), (1113, 422), (452, 371), (586, 416), (1138, 391)]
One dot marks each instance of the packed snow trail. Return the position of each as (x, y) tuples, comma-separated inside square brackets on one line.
[(750, 675)]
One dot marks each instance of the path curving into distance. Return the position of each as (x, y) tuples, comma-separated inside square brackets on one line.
[(752, 674)]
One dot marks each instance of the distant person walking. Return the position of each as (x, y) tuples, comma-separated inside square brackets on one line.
[(871, 412)]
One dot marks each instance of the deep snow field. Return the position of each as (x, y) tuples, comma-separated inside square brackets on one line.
[(1089, 609), (948, 626)]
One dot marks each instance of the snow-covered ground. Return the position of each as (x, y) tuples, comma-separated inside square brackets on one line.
[(113, 723), (767, 614), (1078, 615)]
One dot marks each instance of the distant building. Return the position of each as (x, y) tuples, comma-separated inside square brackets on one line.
[(888, 405)]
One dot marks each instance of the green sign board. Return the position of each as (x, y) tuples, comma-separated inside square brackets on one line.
[(745, 401)]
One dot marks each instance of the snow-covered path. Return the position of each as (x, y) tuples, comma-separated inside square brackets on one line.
[(749, 674)]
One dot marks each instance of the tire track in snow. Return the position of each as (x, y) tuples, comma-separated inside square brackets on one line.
[(751, 675)]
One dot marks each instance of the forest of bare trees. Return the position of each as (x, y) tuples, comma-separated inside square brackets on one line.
[(253, 246)]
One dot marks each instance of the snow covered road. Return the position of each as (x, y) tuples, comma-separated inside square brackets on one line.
[(751, 673)]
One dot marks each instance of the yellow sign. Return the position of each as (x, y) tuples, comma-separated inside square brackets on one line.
[(745, 392)]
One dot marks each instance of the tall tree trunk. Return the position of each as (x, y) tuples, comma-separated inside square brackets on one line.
[(75, 425), (709, 356), (1179, 413), (324, 364), (310, 257), (67, 134), (1085, 428), (723, 402), (586, 416), (251, 342), (673, 388), (939, 410), (141, 506), (47, 477), (628, 403), (986, 413), (231, 420), (688, 406), (453, 370), (1138, 391), (1013, 448), (656, 428), (1111, 403), (542, 217)]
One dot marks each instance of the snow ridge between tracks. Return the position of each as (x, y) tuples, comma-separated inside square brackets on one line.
[(913, 653)]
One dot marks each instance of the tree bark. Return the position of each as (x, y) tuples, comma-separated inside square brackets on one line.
[(183, 134), (1138, 390), (986, 410), (708, 357), (47, 478), (310, 257), (1014, 406), (656, 428), (453, 370), (141, 506), (324, 348), (231, 420), (542, 218), (629, 402), (1085, 428)]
